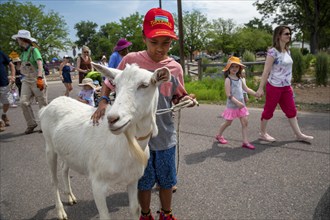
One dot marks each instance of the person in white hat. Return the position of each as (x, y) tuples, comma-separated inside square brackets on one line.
[(86, 95), (33, 81)]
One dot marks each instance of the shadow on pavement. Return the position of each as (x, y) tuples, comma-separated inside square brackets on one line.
[(322, 210), (86, 209), (231, 154)]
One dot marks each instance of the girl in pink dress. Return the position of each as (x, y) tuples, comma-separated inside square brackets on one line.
[(235, 107)]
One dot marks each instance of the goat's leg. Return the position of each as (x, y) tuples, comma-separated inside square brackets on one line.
[(133, 199), (67, 186), (99, 193), (52, 163)]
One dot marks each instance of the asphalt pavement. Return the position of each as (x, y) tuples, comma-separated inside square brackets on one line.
[(281, 180)]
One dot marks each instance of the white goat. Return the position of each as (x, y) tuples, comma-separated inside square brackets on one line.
[(115, 151)]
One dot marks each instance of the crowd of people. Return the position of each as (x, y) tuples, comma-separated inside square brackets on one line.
[(158, 35)]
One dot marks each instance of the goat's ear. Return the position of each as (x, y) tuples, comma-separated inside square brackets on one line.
[(161, 75), (106, 71)]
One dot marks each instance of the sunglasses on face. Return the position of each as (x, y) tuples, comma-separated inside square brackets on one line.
[(287, 34), (86, 52)]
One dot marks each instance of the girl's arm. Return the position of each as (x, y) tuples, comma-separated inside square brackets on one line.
[(247, 89), (268, 65)]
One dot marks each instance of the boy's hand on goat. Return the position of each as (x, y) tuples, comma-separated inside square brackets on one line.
[(100, 112)]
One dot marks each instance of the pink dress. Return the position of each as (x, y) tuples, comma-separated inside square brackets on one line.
[(232, 111)]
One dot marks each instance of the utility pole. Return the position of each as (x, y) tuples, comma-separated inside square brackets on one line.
[(160, 3), (182, 60)]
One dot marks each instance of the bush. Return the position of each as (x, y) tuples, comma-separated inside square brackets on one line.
[(213, 90), (298, 64), (207, 89), (308, 60), (322, 68), (249, 57)]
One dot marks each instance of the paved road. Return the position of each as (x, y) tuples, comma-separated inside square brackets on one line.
[(282, 180)]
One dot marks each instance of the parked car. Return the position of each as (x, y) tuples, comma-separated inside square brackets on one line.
[(261, 54), (204, 55), (176, 58), (216, 57)]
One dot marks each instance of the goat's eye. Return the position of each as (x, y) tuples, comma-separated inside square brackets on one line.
[(143, 85)]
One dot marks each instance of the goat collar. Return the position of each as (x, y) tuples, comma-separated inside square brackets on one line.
[(144, 137)]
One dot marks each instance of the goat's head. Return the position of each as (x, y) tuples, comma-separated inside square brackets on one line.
[(136, 96)]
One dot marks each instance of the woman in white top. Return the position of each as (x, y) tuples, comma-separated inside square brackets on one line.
[(277, 75)]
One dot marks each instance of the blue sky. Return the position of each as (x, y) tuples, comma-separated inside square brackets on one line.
[(105, 11)]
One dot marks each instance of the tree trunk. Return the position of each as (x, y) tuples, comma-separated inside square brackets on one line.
[(314, 42)]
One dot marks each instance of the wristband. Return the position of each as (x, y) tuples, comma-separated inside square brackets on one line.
[(105, 98)]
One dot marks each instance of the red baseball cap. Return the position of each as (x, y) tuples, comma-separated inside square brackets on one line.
[(158, 23)]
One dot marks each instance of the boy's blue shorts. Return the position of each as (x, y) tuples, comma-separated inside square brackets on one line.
[(160, 169)]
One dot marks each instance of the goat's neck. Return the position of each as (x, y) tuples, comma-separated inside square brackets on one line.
[(143, 133)]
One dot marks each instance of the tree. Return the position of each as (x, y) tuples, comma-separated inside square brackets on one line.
[(103, 41), (257, 23), (195, 25), (86, 30), (49, 29), (309, 16), (252, 39), (221, 34)]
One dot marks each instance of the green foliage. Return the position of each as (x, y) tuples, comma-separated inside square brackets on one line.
[(248, 56), (207, 89), (49, 29), (309, 60), (299, 14), (103, 41), (246, 39), (209, 71), (298, 64), (322, 67), (187, 78), (86, 30), (195, 26), (213, 90)]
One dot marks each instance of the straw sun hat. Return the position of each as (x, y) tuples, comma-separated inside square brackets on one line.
[(87, 82), (232, 60)]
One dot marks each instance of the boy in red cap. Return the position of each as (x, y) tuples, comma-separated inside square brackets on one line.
[(158, 33)]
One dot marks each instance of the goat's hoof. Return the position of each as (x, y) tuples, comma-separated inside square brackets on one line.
[(63, 216)]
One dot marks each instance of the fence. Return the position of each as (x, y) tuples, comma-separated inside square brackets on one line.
[(197, 68)]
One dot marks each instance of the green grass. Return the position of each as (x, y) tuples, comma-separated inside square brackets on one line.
[(212, 90)]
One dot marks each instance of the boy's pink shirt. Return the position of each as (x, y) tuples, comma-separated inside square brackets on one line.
[(144, 61)]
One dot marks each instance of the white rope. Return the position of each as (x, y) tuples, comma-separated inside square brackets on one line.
[(175, 108), (178, 106)]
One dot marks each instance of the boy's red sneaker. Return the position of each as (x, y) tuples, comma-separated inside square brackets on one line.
[(162, 216), (149, 217)]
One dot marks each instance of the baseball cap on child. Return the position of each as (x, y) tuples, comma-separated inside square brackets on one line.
[(159, 23)]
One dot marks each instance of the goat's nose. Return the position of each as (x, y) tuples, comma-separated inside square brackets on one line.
[(113, 119)]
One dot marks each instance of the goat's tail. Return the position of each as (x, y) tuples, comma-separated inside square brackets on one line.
[(136, 149)]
